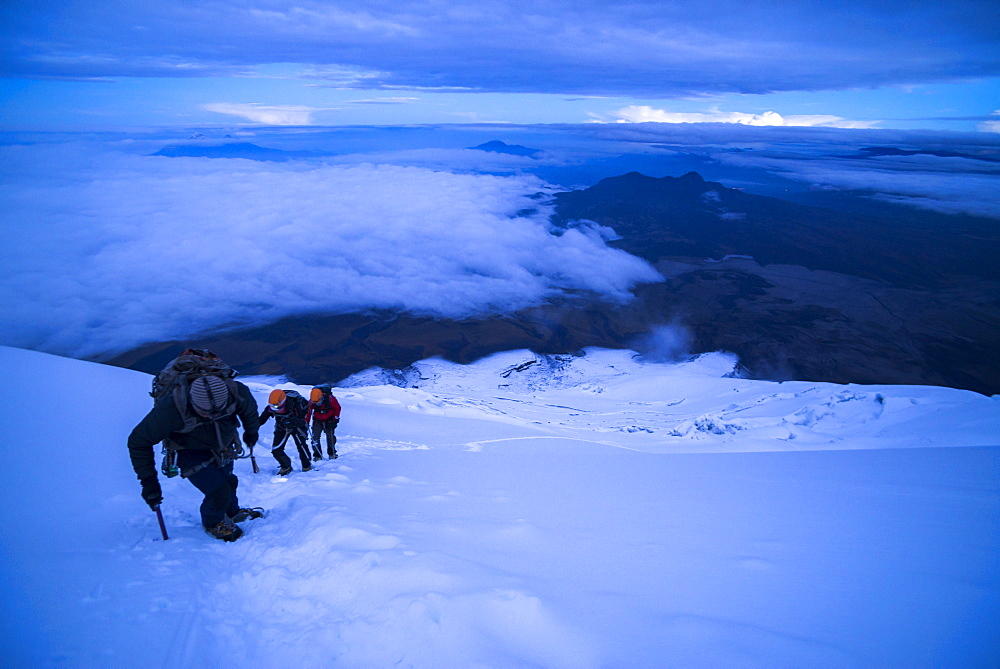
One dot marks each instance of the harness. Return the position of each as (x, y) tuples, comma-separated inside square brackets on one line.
[(226, 454)]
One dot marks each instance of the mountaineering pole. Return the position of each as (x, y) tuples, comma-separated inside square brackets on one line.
[(253, 461), (159, 517)]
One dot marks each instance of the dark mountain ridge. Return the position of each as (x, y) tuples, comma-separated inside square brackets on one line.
[(690, 217), (497, 146)]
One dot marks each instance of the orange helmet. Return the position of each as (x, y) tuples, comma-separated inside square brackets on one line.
[(316, 396), (277, 398)]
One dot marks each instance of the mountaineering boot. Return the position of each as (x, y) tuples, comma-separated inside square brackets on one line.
[(317, 455), (284, 462), (248, 514), (225, 530), (332, 452), (307, 466)]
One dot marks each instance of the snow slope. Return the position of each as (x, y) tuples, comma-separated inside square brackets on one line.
[(522, 511)]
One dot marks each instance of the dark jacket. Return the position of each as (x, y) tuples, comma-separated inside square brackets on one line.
[(163, 421), (291, 417)]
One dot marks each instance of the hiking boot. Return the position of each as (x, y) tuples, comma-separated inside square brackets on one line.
[(332, 453), (317, 456), (306, 466), (245, 514), (225, 530), (285, 470)]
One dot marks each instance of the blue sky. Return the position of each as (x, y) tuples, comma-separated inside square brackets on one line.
[(861, 64)]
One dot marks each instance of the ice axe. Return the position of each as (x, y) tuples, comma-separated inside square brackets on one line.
[(159, 518), (253, 461)]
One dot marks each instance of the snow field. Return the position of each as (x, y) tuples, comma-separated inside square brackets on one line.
[(490, 520)]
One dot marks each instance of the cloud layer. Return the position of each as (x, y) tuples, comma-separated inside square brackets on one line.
[(644, 114), (589, 47), (101, 251)]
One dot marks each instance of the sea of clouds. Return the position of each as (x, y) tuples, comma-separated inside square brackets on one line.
[(103, 248), (948, 185)]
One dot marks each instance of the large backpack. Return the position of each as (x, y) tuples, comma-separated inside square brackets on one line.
[(175, 380), (296, 404), (325, 393), (185, 368), (293, 416)]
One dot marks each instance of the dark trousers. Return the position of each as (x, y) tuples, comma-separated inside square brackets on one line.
[(218, 484), (327, 427), (298, 435)]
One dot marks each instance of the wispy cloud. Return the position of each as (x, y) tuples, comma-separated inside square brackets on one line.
[(266, 114), (384, 101), (821, 139), (111, 250), (991, 126), (646, 114)]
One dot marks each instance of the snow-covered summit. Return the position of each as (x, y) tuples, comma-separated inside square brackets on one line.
[(701, 404), (526, 371)]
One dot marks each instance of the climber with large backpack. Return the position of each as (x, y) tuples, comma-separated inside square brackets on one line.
[(289, 410), (324, 411), (198, 408)]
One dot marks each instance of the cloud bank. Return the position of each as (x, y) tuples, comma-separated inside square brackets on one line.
[(646, 114), (101, 251), (834, 158), (991, 126), (948, 185)]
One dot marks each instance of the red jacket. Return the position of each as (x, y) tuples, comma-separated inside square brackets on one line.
[(323, 410)]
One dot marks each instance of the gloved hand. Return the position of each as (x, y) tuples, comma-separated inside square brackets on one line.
[(250, 439), (151, 491)]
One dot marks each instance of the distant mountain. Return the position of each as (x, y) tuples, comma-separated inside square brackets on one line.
[(797, 292), (496, 146), (243, 150)]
